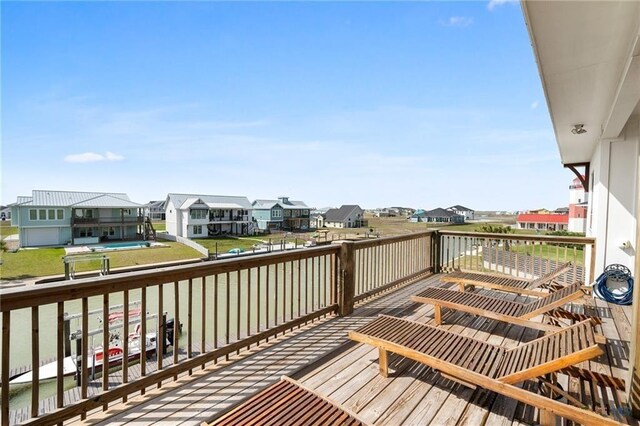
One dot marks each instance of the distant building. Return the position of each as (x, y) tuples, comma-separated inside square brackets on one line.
[(54, 218), (577, 207), (201, 216), (463, 211), (543, 221), (316, 220), (438, 215), (282, 213), (347, 216), (155, 210)]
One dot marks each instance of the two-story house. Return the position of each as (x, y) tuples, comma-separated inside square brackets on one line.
[(282, 214), (347, 216), (52, 218), (201, 216), (463, 211)]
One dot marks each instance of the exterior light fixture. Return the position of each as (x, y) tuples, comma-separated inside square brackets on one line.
[(578, 129)]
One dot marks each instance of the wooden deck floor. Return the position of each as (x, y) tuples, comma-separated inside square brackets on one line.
[(322, 358)]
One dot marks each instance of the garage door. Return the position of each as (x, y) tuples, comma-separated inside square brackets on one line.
[(42, 237)]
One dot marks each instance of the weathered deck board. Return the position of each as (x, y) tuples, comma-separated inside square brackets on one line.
[(322, 358)]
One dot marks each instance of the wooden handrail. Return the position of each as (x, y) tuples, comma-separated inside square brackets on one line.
[(522, 237), (21, 297)]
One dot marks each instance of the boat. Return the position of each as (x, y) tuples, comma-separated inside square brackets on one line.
[(95, 359)]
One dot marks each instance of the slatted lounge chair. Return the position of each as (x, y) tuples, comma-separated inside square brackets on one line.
[(476, 363), (498, 308), (288, 402), (504, 282)]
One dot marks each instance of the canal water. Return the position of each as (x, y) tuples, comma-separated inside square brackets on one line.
[(312, 284)]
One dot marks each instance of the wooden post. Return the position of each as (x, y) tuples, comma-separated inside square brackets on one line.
[(436, 247), (437, 314), (383, 362), (346, 280)]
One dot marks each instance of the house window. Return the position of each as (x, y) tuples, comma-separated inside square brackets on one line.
[(33, 214), (86, 232), (198, 214), (276, 213), (287, 213), (42, 214), (305, 212), (197, 229), (60, 214), (52, 214)]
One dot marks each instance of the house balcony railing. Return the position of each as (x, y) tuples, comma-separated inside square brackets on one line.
[(241, 218), (102, 220), (229, 305)]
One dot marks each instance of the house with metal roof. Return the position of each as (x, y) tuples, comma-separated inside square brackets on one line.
[(468, 213), (347, 216), (53, 218), (438, 215), (155, 209), (202, 216), (283, 213)]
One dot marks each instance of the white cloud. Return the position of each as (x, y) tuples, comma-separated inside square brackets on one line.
[(495, 3), (92, 157), (534, 104), (458, 21)]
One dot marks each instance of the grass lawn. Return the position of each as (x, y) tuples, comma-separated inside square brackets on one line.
[(6, 229), (545, 251), (159, 226), (225, 244), (48, 261)]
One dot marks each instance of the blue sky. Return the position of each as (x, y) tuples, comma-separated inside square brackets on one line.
[(378, 104)]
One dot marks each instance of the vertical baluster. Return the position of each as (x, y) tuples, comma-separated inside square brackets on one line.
[(176, 323), (203, 318), (299, 277), (125, 345), (143, 334), (190, 321), (259, 299), (6, 327), (306, 285), (35, 361), (105, 343), (313, 284), (227, 322), (284, 292), (216, 311), (267, 300), (575, 263), (291, 290), (84, 372), (60, 344), (275, 308), (248, 331), (161, 331), (332, 275), (238, 307)]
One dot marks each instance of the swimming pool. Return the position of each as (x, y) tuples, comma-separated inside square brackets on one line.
[(121, 246)]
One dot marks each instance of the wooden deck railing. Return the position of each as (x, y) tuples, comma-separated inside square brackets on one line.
[(224, 306), (526, 256)]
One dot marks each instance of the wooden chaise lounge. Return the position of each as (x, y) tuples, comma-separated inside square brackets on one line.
[(288, 402), (476, 363), (499, 308), (504, 282)]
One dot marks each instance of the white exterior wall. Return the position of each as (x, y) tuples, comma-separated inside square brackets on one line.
[(172, 219), (576, 195), (611, 214), (577, 224)]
